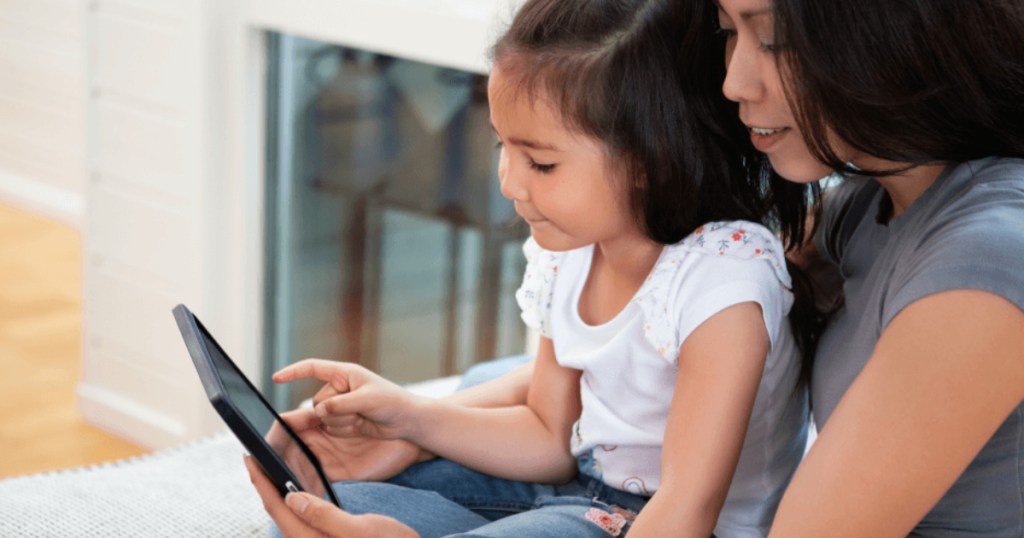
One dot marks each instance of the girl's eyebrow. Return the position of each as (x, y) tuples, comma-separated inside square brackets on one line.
[(532, 144), (526, 143)]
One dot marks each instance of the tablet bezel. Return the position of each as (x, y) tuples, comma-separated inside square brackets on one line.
[(266, 457)]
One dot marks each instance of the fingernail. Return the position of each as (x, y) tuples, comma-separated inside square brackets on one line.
[(296, 502)]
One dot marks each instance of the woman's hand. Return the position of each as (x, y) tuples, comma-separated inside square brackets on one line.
[(305, 515), (356, 402), (351, 458)]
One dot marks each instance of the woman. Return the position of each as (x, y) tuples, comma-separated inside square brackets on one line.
[(919, 379)]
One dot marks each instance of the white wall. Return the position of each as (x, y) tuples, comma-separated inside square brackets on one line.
[(42, 104), (174, 115), (149, 229)]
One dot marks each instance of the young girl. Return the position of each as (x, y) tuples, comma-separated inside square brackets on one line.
[(918, 387), (666, 393)]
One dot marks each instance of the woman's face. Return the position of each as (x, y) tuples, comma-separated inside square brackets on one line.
[(753, 80)]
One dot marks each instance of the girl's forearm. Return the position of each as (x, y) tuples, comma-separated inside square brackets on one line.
[(504, 391), (507, 442)]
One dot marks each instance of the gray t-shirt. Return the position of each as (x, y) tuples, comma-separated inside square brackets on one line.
[(965, 232)]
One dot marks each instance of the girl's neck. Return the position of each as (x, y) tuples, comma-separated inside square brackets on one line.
[(617, 270), (628, 261)]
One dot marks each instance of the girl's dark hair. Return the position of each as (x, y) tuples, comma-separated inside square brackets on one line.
[(909, 81), (644, 77)]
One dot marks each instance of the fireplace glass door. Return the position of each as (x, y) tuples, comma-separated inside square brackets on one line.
[(388, 242)]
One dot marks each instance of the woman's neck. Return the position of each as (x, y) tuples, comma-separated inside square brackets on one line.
[(905, 188)]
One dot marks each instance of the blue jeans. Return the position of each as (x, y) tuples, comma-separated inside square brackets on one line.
[(442, 498)]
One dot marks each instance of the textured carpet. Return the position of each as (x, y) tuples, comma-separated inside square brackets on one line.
[(199, 489)]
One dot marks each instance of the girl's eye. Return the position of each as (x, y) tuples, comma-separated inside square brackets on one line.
[(542, 168), (499, 144)]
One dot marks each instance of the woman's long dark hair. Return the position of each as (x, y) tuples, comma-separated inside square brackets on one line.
[(644, 77), (909, 81)]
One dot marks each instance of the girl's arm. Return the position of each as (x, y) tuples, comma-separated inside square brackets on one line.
[(503, 391), (945, 374), (720, 367), (525, 442)]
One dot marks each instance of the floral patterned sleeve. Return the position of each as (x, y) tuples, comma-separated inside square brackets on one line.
[(534, 295), (719, 264)]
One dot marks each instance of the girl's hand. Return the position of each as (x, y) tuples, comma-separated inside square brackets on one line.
[(356, 402), (353, 458), (306, 515)]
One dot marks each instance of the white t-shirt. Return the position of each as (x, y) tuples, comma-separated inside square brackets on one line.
[(629, 363)]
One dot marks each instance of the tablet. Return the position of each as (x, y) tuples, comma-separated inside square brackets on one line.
[(282, 455)]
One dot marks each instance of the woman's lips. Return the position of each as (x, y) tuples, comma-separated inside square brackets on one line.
[(765, 138)]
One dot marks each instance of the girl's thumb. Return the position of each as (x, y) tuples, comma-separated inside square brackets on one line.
[(298, 502)]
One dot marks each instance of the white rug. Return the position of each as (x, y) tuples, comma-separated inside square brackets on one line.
[(200, 489)]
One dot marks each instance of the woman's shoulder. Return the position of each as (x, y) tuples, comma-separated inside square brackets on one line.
[(969, 236), (981, 204)]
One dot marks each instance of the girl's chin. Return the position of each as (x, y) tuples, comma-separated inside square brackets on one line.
[(555, 242)]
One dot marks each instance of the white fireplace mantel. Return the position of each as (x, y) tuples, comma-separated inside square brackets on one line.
[(174, 191)]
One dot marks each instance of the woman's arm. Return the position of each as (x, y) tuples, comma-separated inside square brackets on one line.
[(945, 374), (720, 367)]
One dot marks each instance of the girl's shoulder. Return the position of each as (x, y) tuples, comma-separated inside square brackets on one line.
[(535, 293), (730, 241), (719, 264)]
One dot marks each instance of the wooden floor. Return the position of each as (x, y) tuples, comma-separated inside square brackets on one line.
[(40, 353)]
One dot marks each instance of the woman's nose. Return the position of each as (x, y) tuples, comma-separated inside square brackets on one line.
[(742, 76)]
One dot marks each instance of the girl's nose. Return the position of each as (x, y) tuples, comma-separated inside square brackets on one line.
[(513, 186), (742, 75)]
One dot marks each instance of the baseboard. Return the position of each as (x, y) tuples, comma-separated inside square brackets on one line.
[(60, 204), (127, 419)]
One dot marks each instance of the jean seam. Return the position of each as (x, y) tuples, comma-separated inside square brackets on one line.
[(478, 503)]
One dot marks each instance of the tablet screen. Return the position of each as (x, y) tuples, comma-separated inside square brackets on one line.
[(238, 390), (236, 397)]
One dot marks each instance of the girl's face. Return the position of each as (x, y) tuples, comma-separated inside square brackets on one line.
[(753, 80), (560, 181)]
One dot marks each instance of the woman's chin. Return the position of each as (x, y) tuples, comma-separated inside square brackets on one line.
[(800, 172)]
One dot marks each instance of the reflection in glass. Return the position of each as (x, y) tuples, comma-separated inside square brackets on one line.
[(388, 242)]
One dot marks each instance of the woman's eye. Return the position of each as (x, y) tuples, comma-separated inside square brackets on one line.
[(542, 168), (770, 48), (725, 32), (499, 144)]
